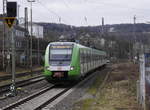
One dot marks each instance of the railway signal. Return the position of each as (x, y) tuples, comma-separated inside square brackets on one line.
[(11, 9), (11, 16), (9, 21), (11, 13)]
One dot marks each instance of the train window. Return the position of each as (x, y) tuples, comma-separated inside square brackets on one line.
[(81, 56), (60, 51), (88, 56), (81, 60), (94, 57), (60, 56), (85, 56)]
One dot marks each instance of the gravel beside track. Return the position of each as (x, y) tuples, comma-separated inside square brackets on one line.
[(39, 99), (5, 88), (65, 102), (79, 91), (24, 92)]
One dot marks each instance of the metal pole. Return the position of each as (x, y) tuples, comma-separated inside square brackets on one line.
[(38, 47), (102, 26), (13, 87), (144, 92), (27, 39), (134, 36), (18, 13), (38, 51), (3, 52), (31, 36), (31, 41)]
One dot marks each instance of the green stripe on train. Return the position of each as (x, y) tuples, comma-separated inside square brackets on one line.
[(75, 62)]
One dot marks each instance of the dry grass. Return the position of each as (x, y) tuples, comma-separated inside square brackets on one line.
[(119, 92)]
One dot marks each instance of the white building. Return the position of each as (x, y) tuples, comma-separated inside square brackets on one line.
[(111, 29), (37, 30), (102, 42)]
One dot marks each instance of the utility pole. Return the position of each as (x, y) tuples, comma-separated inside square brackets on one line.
[(11, 17), (13, 87), (134, 23), (102, 35), (18, 6), (60, 20), (133, 53), (136, 57), (134, 36), (31, 35), (4, 31), (27, 38), (86, 22), (38, 47), (102, 26)]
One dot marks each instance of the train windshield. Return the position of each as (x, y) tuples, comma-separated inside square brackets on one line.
[(60, 55)]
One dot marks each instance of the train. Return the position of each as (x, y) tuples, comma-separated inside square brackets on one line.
[(70, 61)]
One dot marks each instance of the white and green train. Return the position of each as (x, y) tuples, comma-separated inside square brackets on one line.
[(67, 61)]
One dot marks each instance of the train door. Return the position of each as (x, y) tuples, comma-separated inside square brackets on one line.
[(81, 62), (90, 57), (85, 61)]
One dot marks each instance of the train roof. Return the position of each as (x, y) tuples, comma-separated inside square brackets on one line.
[(78, 45), (55, 43)]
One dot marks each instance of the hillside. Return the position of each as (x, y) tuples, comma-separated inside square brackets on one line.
[(118, 40), (59, 29)]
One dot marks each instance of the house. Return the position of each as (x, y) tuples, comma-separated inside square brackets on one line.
[(6, 38), (37, 30)]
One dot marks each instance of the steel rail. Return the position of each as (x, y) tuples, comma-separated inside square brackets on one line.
[(52, 99), (48, 95), (21, 101), (22, 83), (21, 74)]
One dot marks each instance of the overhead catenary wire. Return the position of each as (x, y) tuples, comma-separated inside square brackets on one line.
[(52, 12), (66, 4), (70, 6), (115, 5), (99, 3), (141, 10)]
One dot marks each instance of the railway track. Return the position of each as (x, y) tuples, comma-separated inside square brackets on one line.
[(7, 77), (36, 79), (45, 97), (38, 100)]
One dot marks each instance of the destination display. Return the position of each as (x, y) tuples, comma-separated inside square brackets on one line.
[(61, 46)]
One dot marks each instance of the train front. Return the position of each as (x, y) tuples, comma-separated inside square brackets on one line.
[(58, 64)]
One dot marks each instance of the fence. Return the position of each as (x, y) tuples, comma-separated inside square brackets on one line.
[(143, 85), (21, 50)]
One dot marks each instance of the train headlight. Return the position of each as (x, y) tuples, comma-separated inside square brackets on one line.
[(47, 67), (71, 68)]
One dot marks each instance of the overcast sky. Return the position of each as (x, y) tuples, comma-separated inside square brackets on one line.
[(74, 12)]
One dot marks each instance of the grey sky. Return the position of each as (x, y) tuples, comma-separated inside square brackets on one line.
[(74, 11)]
